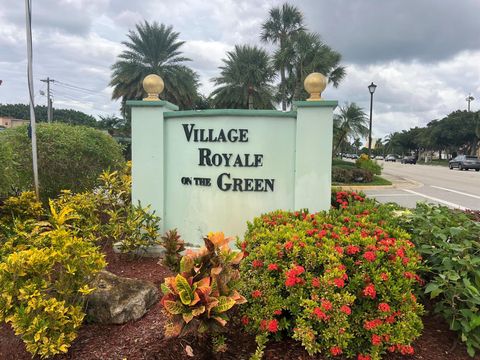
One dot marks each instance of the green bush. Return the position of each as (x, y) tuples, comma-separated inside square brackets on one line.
[(351, 175), (449, 242), (339, 282), (364, 162), (44, 272), (69, 157), (7, 173)]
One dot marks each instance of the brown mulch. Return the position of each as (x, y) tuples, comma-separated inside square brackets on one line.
[(144, 339)]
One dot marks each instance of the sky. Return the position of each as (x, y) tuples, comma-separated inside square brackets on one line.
[(424, 55)]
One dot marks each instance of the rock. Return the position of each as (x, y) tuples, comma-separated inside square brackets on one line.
[(117, 300)]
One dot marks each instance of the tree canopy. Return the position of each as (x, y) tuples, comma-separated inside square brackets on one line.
[(69, 116), (245, 80), (154, 48)]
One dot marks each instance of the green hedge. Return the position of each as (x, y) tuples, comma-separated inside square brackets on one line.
[(69, 157)]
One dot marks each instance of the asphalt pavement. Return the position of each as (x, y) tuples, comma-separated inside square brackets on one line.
[(428, 183)]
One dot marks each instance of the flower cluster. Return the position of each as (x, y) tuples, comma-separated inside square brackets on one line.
[(340, 282)]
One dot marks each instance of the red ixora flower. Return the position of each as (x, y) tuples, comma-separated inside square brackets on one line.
[(376, 339), (316, 282), (370, 256), (272, 267), (277, 312), (352, 249), (346, 309), (384, 276), (384, 307), (406, 349), (257, 263), (288, 245), (273, 325), (256, 293), (340, 283), (320, 314), (326, 305), (245, 320), (370, 291), (336, 350), (363, 357), (369, 325)]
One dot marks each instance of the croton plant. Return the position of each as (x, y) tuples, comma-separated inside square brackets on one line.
[(198, 299)]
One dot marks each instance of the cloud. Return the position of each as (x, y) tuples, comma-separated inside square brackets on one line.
[(367, 31), (423, 55)]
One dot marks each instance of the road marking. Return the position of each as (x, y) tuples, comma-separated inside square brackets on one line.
[(448, 203), (389, 195), (455, 191)]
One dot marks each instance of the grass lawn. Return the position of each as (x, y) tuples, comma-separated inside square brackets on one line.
[(377, 181)]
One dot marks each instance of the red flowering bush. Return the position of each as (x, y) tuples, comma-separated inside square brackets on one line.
[(339, 282)]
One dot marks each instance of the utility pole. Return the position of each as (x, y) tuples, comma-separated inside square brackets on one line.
[(28, 12), (469, 99), (49, 98)]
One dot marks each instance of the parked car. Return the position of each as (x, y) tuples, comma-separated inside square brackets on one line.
[(391, 157), (379, 157), (354, 157), (409, 160), (465, 162)]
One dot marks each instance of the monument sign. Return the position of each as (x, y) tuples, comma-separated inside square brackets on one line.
[(214, 170)]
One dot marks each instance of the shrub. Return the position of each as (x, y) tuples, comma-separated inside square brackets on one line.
[(69, 157), (341, 175), (361, 175), (351, 175), (134, 228), (449, 241), (173, 245), (198, 300), (339, 282), (364, 162), (44, 272), (7, 173)]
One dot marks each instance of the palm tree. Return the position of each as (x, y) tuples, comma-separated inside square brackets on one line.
[(245, 80), (309, 54), (351, 122), (282, 24), (154, 48)]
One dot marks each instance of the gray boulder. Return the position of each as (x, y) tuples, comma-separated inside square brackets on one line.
[(117, 300)]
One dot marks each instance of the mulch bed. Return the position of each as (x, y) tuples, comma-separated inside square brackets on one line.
[(144, 339)]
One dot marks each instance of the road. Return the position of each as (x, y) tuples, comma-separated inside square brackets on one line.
[(431, 184)]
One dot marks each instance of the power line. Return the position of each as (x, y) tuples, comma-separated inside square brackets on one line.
[(77, 87)]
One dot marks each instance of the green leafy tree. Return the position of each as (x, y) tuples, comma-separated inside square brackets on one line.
[(282, 24), (69, 116), (154, 48), (245, 80), (307, 54), (351, 122)]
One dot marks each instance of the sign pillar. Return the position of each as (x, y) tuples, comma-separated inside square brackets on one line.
[(313, 156)]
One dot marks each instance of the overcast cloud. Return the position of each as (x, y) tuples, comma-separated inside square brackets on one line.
[(424, 55)]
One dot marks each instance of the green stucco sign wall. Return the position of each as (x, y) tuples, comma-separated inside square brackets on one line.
[(214, 170)]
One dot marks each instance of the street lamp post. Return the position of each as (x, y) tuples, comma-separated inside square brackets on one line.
[(371, 89)]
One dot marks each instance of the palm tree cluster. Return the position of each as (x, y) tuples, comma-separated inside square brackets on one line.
[(248, 72)]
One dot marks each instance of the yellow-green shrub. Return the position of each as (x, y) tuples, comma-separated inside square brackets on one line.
[(44, 274), (24, 206)]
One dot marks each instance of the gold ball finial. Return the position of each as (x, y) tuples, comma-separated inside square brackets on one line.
[(314, 84), (153, 86)]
